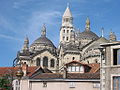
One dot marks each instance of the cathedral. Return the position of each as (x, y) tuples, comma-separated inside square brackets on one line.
[(73, 46)]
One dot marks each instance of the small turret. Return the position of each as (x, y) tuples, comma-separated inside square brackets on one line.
[(26, 44), (112, 36), (87, 26)]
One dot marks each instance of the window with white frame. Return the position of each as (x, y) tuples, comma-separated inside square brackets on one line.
[(116, 83), (81, 69), (76, 69)]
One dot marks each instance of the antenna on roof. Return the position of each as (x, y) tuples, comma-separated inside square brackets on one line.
[(102, 31)]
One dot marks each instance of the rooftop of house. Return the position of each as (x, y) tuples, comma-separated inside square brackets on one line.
[(37, 72)]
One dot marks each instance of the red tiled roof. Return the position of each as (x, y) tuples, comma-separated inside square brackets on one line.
[(94, 67), (75, 61), (69, 76), (94, 73), (12, 70)]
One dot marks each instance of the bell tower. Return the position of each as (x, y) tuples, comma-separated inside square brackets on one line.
[(67, 26)]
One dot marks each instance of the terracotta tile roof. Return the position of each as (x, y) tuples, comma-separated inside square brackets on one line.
[(76, 61), (12, 70), (33, 72), (94, 67), (83, 75), (48, 76), (69, 76)]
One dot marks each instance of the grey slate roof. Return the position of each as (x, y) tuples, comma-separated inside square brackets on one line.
[(44, 41), (97, 43), (88, 35)]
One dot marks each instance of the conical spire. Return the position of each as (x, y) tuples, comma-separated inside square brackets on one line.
[(26, 44), (43, 31), (87, 26), (67, 12)]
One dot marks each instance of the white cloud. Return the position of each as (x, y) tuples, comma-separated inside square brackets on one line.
[(4, 23), (37, 19), (20, 3), (9, 37)]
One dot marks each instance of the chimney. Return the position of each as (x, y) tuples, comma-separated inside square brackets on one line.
[(65, 72), (24, 68)]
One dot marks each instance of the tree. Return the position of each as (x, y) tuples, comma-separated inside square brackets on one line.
[(5, 82)]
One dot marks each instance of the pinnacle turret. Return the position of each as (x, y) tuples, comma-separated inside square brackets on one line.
[(112, 36), (87, 26), (26, 44)]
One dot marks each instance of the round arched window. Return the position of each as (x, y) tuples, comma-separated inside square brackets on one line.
[(45, 61), (52, 63), (38, 61)]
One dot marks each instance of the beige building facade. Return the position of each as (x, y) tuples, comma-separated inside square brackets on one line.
[(60, 85)]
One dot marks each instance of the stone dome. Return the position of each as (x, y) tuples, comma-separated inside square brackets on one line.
[(89, 35), (43, 41)]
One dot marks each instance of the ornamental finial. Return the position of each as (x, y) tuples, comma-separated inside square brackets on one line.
[(43, 31)]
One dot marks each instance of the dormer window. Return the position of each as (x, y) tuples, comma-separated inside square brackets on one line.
[(76, 69)]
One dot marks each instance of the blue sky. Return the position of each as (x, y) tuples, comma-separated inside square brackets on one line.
[(19, 18)]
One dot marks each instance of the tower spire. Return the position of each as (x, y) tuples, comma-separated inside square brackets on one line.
[(87, 26), (67, 26), (67, 12), (43, 31)]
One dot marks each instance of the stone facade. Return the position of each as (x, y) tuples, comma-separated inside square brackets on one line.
[(110, 69)]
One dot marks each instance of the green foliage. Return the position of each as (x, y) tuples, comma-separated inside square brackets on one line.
[(5, 82)]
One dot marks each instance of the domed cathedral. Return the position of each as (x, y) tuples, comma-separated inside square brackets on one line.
[(42, 52), (73, 45), (81, 46)]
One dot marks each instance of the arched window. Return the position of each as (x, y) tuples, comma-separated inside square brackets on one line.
[(63, 38), (38, 61), (73, 58), (45, 62), (64, 31), (67, 31), (67, 38), (52, 63)]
